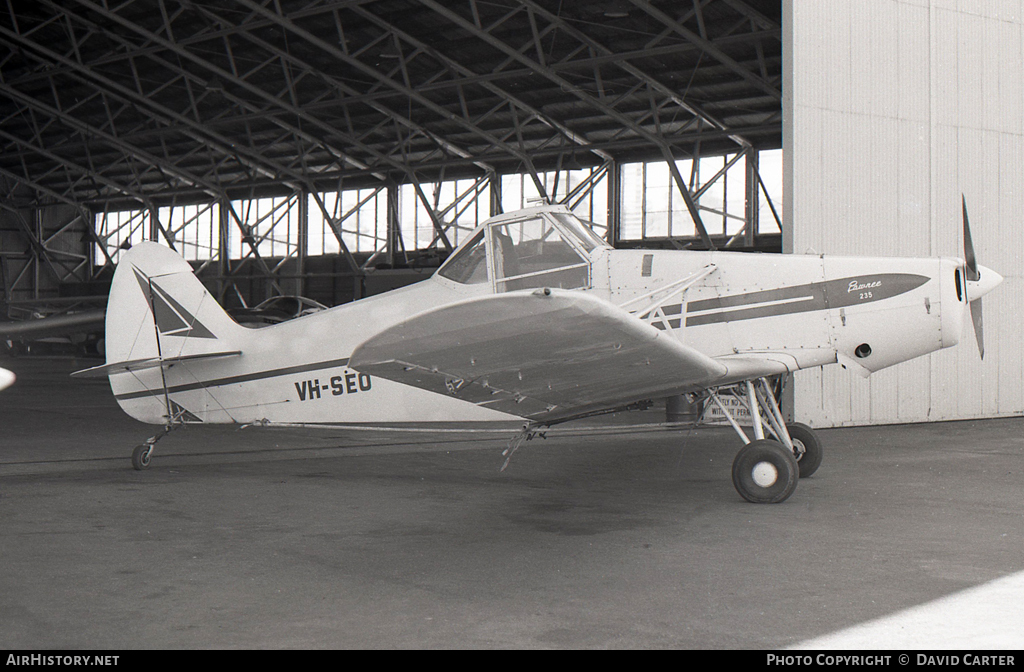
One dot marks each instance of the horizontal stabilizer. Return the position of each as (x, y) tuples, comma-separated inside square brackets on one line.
[(148, 363)]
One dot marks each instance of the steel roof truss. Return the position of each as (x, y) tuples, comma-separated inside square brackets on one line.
[(467, 76), (709, 47), (285, 22)]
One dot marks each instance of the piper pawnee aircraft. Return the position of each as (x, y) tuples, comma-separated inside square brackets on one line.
[(535, 318)]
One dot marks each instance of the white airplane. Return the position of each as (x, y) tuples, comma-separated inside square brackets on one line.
[(6, 378), (536, 318)]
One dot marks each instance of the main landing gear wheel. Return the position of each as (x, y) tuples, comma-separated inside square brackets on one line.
[(765, 472), (140, 456), (806, 448)]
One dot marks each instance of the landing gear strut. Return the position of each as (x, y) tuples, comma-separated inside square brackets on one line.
[(766, 470)]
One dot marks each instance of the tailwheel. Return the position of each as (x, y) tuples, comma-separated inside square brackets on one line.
[(806, 448), (765, 472), (143, 453), (141, 456)]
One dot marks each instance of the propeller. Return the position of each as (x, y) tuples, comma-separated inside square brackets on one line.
[(978, 284), (972, 275), (972, 264)]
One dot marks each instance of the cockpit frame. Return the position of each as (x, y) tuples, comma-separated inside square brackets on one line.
[(540, 247)]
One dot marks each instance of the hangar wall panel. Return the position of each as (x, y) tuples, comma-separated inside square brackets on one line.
[(892, 110)]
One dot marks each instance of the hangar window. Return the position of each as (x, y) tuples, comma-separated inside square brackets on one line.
[(653, 208), (270, 225), (585, 191), (359, 215), (195, 229), (119, 230), (460, 205)]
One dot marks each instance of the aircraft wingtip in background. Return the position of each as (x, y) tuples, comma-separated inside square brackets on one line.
[(535, 318), (7, 378)]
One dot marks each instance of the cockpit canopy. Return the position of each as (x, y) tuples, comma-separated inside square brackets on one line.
[(537, 248)]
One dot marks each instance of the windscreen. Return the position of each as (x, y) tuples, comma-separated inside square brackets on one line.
[(468, 266)]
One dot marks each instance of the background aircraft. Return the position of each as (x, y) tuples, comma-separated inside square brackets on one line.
[(275, 310), (52, 327), (6, 378), (534, 318)]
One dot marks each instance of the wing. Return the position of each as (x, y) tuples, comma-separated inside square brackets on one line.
[(55, 325), (543, 355), (756, 365)]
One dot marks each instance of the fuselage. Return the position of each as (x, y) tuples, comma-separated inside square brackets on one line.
[(803, 311)]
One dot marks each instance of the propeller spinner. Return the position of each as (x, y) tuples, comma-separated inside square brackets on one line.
[(980, 281)]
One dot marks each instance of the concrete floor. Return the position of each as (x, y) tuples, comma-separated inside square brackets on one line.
[(272, 539)]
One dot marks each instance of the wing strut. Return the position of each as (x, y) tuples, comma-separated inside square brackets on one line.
[(758, 398), (659, 295)]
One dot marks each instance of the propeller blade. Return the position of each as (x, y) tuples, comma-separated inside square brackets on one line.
[(972, 263), (979, 331)]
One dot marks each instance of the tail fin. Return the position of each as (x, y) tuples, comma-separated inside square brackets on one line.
[(159, 314), (158, 308)]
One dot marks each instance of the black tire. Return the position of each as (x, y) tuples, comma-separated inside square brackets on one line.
[(140, 456), (806, 448), (765, 472)]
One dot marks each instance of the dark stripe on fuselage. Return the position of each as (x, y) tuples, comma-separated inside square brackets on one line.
[(233, 380), (850, 291)]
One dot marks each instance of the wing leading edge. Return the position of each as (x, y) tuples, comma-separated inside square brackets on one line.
[(543, 354)]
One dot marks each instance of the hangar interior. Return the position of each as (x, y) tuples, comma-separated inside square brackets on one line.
[(339, 148), (335, 149)]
